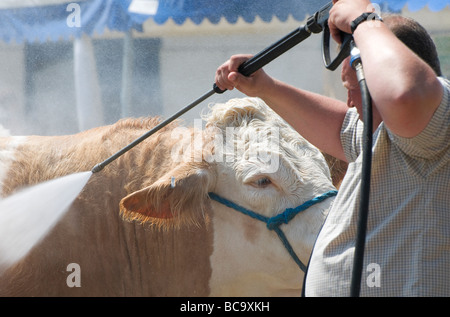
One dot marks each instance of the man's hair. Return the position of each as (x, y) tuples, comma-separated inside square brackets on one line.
[(413, 35)]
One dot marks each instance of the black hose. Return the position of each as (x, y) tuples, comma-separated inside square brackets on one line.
[(358, 258)]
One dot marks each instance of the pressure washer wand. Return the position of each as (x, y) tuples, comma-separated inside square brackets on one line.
[(100, 166), (315, 24)]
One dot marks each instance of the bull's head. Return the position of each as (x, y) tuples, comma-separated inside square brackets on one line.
[(249, 154), (259, 162)]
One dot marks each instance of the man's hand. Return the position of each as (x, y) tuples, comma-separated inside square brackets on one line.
[(343, 13), (228, 77)]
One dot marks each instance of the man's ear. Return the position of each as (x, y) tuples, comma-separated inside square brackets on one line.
[(179, 197)]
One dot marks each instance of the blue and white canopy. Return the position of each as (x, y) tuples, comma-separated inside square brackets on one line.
[(43, 20)]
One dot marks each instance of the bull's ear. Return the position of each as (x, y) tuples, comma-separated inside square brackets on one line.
[(180, 197)]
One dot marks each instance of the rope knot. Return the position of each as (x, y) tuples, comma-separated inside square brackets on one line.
[(277, 221)]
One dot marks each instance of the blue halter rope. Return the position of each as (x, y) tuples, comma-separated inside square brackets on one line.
[(274, 223)]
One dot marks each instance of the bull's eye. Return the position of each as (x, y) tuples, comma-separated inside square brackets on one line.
[(263, 182)]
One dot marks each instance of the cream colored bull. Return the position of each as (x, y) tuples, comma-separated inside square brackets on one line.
[(146, 225)]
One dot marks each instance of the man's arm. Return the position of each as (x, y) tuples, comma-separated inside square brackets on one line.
[(317, 118), (404, 89)]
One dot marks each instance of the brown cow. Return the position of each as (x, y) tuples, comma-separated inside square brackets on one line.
[(175, 240)]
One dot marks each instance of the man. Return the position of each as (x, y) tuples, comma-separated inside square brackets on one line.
[(407, 250)]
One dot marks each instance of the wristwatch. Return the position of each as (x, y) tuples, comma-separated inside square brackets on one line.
[(366, 16)]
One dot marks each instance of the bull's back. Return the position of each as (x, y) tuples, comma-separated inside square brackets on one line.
[(114, 258)]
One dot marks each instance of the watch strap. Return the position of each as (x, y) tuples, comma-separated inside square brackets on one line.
[(366, 16)]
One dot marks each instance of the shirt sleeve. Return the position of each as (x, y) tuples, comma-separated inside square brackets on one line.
[(351, 135), (434, 139)]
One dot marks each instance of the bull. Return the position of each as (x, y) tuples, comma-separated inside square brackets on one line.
[(147, 224)]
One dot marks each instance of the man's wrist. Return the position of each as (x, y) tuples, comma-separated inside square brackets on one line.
[(366, 16)]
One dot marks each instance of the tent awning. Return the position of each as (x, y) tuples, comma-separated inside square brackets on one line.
[(43, 20)]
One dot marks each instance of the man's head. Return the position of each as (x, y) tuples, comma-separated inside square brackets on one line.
[(413, 35)]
